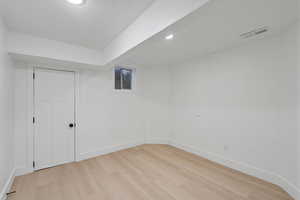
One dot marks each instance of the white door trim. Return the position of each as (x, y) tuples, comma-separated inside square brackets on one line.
[(30, 131), (31, 113)]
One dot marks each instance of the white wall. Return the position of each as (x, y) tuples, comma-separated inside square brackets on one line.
[(6, 112), (298, 157), (108, 119), (241, 105), (21, 114)]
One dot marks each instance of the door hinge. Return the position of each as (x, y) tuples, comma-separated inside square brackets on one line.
[(33, 164), (33, 75), (33, 120)]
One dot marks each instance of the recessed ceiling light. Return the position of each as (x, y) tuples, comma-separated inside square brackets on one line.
[(169, 37), (76, 2)]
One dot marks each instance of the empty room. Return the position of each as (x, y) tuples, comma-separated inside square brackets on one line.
[(149, 100)]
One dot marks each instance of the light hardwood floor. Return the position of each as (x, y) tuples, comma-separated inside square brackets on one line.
[(147, 172)]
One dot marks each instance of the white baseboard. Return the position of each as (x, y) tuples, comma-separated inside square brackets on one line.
[(107, 150), (157, 141), (7, 185), (23, 170), (245, 168)]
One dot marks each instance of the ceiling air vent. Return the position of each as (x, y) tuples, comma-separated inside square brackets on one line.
[(254, 32)]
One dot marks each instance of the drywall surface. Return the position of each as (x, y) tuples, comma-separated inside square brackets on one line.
[(6, 112), (155, 19), (241, 104), (298, 53), (21, 115), (107, 119), (27, 45)]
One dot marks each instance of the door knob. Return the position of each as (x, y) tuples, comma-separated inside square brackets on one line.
[(71, 125)]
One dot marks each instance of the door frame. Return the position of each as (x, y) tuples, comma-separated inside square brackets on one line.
[(31, 113)]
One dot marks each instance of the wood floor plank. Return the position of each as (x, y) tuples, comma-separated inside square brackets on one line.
[(146, 172)]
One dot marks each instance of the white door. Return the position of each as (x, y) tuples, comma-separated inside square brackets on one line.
[(54, 101)]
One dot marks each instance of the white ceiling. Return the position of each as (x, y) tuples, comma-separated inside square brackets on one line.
[(92, 25), (213, 27)]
